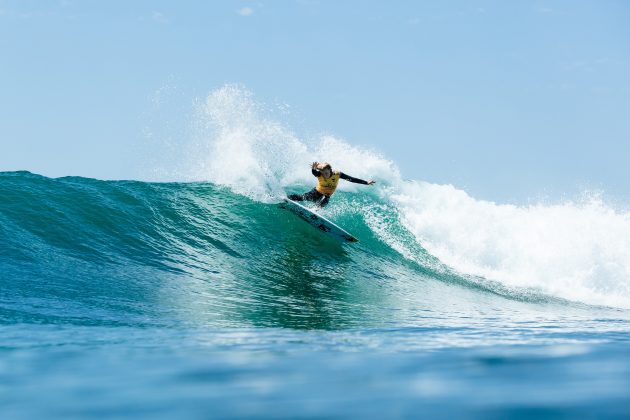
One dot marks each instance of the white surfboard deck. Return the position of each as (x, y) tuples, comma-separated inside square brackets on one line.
[(318, 221)]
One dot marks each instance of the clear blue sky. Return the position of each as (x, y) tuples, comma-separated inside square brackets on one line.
[(507, 100)]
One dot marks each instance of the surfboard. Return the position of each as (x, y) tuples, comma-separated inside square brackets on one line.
[(317, 220)]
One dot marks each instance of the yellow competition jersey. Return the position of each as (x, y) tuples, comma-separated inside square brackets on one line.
[(327, 186)]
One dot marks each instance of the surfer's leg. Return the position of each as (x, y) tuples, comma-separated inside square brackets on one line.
[(296, 197), (313, 195), (323, 201)]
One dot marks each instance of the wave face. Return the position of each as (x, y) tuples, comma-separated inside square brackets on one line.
[(123, 252), (78, 250)]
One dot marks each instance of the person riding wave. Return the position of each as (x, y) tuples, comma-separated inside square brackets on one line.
[(327, 181)]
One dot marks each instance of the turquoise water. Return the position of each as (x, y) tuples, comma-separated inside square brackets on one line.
[(125, 298)]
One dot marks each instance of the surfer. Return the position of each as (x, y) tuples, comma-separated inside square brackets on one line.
[(327, 181)]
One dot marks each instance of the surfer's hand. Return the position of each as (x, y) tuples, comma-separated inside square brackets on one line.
[(371, 182), (314, 165)]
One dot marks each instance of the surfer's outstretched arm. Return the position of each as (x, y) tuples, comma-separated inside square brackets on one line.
[(355, 180)]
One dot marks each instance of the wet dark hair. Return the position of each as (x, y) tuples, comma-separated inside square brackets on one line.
[(326, 166)]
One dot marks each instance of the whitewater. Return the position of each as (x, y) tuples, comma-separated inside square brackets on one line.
[(195, 286)]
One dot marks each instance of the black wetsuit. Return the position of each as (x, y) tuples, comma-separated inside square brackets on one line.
[(319, 198)]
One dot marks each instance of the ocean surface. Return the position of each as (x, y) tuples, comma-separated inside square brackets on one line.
[(163, 300), (202, 298)]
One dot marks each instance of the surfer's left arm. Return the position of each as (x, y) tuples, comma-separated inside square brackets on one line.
[(355, 180)]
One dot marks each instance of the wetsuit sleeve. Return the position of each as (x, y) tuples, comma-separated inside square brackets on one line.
[(315, 172), (352, 179)]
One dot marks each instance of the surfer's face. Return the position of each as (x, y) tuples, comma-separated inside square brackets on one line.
[(326, 173)]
